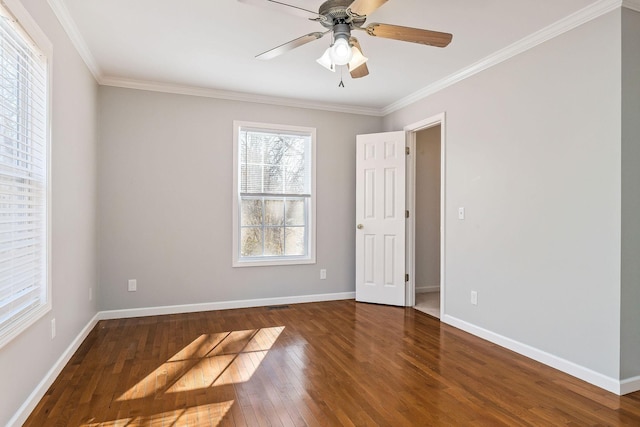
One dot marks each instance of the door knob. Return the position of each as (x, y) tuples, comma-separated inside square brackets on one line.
[(359, 226)]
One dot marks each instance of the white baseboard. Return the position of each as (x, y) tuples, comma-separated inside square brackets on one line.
[(421, 289), (630, 385), (610, 384), (222, 305), (29, 405)]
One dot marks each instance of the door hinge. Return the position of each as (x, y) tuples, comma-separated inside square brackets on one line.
[(406, 277), (406, 214), (407, 150)]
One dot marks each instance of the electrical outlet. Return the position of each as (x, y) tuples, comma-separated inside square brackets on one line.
[(474, 297), (53, 328), (133, 285), (323, 274)]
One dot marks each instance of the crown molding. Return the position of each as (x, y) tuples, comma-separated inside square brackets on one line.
[(632, 4), (68, 24), (237, 96), (562, 26)]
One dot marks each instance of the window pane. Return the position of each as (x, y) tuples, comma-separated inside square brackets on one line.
[(251, 241), (274, 212), (251, 212), (253, 152), (242, 147), (295, 212), (294, 168), (251, 177), (295, 241), (274, 241), (295, 181), (274, 150), (273, 179)]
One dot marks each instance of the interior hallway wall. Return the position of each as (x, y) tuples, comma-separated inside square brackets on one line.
[(630, 295), (427, 189)]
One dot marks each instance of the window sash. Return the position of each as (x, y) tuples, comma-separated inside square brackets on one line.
[(285, 223), (274, 162), (24, 242)]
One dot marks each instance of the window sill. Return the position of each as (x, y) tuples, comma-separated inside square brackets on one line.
[(273, 262)]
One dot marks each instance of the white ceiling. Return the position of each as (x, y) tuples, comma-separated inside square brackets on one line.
[(211, 44)]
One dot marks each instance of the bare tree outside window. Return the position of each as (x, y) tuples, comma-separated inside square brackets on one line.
[(274, 193)]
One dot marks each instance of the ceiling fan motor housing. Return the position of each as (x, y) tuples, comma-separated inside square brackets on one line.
[(341, 31)]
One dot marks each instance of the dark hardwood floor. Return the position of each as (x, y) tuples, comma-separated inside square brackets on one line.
[(327, 364)]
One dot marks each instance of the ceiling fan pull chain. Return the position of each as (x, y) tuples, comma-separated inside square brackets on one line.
[(341, 84)]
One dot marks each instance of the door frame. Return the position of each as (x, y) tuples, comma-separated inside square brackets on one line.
[(410, 265)]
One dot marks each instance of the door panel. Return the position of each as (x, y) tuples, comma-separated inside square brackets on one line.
[(369, 190), (380, 206)]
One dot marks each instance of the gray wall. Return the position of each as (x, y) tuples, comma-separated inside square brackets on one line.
[(25, 361), (630, 321), (427, 230), (533, 154), (165, 184)]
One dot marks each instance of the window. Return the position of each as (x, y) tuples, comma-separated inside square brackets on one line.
[(274, 200), (24, 272)]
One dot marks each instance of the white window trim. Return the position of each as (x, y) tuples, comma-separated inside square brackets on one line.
[(311, 258), (42, 42)]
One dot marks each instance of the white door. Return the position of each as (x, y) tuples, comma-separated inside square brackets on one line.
[(380, 218)]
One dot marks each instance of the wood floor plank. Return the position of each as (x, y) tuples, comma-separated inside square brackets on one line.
[(337, 363)]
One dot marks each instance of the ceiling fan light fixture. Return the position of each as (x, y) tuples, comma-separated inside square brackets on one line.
[(341, 52), (357, 59), (325, 60)]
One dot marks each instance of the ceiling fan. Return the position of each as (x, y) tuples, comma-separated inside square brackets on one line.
[(341, 17)]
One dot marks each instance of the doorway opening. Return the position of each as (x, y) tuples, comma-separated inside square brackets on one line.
[(425, 228)]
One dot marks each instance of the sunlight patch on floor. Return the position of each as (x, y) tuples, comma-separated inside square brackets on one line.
[(210, 414), (209, 360)]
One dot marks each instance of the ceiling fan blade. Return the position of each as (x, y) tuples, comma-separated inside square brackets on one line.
[(408, 34), (283, 48), (365, 7), (361, 70), (284, 7)]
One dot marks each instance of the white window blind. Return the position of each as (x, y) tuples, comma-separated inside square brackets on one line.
[(275, 196), (23, 180)]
